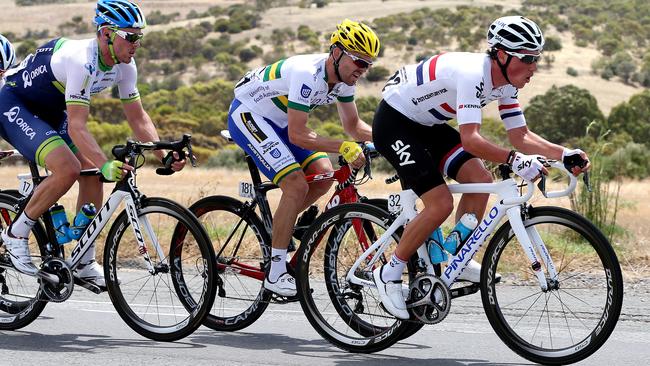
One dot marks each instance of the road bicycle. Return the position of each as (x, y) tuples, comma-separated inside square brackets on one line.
[(161, 284), (556, 301), (242, 240)]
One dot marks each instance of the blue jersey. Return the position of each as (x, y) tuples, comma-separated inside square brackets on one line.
[(60, 73)]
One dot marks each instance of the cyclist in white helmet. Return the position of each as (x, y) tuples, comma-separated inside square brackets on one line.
[(7, 57), (410, 129), (44, 109)]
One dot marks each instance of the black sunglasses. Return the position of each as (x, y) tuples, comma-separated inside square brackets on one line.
[(358, 61), (128, 36), (524, 57)]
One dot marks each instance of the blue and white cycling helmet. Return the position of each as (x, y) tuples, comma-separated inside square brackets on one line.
[(7, 53), (119, 14)]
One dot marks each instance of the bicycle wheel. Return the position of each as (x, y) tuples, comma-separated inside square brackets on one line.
[(242, 246), (574, 318), (21, 299), (171, 302), (348, 315)]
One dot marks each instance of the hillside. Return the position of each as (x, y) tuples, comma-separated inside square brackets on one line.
[(607, 93)]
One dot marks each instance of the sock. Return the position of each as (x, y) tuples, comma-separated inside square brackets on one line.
[(21, 226), (278, 263), (392, 271)]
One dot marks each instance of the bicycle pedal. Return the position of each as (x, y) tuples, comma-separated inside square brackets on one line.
[(89, 286), (279, 299), (472, 288), (292, 246)]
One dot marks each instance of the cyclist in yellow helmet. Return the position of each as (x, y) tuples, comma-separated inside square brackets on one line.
[(268, 119)]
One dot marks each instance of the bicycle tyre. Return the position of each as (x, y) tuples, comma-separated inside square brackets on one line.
[(242, 299), (176, 265), (367, 337), (15, 313), (576, 244)]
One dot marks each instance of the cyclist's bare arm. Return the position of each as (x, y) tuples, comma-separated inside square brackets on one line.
[(141, 124), (529, 142), (78, 131), (307, 138), (479, 146), (352, 124)]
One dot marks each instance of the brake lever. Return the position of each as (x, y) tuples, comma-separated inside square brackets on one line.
[(585, 179), (542, 184), (191, 154)]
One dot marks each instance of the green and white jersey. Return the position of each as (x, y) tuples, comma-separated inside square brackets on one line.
[(68, 72), (298, 82)]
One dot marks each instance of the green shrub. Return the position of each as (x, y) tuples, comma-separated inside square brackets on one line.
[(377, 73), (231, 156), (571, 71), (632, 161)]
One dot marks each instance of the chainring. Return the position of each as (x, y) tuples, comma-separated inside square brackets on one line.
[(429, 299), (63, 290)]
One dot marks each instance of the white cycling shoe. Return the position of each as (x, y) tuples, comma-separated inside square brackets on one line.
[(91, 272), (472, 273), (284, 286), (18, 249), (391, 295)]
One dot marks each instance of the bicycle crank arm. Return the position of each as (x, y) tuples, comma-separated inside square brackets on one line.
[(465, 290), (49, 277), (89, 286)]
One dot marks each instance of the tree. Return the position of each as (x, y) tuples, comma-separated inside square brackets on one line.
[(562, 113), (633, 117)]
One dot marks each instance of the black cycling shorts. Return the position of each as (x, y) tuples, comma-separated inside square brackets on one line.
[(421, 154)]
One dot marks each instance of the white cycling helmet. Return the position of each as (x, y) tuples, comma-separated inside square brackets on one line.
[(515, 33), (7, 53)]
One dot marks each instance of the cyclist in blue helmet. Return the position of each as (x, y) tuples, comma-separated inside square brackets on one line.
[(7, 57), (44, 109)]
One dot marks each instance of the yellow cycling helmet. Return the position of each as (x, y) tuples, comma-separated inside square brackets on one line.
[(357, 37)]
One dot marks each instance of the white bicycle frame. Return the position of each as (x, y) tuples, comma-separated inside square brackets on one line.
[(102, 218), (509, 204)]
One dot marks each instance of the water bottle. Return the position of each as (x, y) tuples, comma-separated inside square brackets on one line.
[(60, 222), (81, 221), (434, 246), (460, 232)]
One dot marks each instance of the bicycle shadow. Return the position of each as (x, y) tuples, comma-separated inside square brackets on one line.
[(320, 348), (79, 342)]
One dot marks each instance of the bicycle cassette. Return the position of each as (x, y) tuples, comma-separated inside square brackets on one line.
[(63, 290), (429, 299)]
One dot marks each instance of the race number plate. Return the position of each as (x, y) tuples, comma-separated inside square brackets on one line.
[(394, 203), (26, 185), (246, 190)]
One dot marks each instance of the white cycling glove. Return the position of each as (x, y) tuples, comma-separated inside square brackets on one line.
[(568, 152), (572, 158), (528, 167)]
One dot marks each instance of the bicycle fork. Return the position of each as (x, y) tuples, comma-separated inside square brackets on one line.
[(531, 243), (137, 222)]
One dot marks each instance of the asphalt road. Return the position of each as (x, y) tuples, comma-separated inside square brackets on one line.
[(86, 330)]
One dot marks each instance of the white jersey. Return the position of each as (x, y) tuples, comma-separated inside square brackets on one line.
[(298, 82), (451, 85), (74, 56)]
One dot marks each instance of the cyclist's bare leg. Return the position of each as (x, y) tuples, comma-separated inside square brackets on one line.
[(473, 171), (317, 189), (438, 205), (294, 191), (64, 168), (90, 188)]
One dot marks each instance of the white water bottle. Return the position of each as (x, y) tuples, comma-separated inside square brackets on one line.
[(460, 232)]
